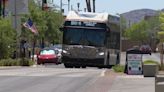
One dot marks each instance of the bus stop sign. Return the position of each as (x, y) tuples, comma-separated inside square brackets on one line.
[(134, 62)]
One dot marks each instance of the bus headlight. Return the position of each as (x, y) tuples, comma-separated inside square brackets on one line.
[(64, 51), (101, 53)]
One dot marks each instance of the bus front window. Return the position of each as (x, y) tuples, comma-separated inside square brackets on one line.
[(90, 37)]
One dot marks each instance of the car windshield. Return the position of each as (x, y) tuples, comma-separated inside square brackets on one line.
[(90, 37), (47, 52)]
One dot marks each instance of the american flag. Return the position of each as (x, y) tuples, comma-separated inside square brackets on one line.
[(29, 24)]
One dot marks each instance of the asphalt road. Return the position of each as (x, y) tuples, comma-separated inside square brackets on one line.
[(49, 78)]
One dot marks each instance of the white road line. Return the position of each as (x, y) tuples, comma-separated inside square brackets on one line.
[(131, 76), (103, 73)]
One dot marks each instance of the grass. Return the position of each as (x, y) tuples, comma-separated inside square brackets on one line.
[(150, 62), (118, 68)]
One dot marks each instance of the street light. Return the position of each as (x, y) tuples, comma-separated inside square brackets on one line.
[(120, 22), (68, 5)]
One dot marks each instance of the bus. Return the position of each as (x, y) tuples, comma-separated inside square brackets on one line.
[(88, 40)]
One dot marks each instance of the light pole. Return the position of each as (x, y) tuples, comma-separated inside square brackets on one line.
[(94, 6), (78, 6), (68, 5), (0, 8), (61, 5), (120, 22)]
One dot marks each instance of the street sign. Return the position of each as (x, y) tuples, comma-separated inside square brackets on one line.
[(134, 63)]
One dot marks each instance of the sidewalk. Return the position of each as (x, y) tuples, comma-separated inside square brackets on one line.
[(133, 83)]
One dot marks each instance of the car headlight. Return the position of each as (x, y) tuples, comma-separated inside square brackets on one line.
[(101, 53)]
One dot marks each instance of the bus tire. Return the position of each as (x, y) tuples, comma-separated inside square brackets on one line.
[(83, 66), (68, 66), (76, 66)]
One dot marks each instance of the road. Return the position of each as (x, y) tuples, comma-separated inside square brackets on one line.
[(56, 78), (52, 78)]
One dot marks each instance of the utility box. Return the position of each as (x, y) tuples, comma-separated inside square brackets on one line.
[(134, 62)]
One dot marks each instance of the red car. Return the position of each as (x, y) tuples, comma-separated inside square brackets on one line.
[(48, 56)]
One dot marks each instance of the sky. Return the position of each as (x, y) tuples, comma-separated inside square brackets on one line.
[(116, 6)]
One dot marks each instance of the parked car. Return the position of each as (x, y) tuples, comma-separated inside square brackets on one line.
[(48, 55), (146, 49)]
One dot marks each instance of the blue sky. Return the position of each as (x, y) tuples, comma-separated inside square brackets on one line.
[(117, 6)]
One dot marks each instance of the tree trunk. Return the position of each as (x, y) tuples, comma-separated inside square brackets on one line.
[(161, 55)]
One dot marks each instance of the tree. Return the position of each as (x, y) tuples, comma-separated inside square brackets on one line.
[(138, 32), (161, 37), (7, 38), (47, 23)]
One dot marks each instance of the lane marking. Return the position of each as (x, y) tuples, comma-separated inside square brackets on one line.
[(103, 73), (131, 76)]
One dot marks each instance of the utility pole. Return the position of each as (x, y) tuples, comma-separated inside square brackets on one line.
[(85, 9), (88, 3), (78, 6), (71, 7), (0, 8), (94, 10), (61, 5), (68, 5), (3, 9), (120, 34)]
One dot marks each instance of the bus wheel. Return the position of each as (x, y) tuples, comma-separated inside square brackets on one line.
[(77, 66), (83, 66), (68, 66)]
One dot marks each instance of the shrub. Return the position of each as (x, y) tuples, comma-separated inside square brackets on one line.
[(150, 62), (118, 68), (26, 62), (16, 62)]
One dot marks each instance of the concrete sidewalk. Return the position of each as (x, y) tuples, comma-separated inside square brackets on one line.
[(133, 83)]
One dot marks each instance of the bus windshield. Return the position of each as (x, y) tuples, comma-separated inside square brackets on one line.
[(80, 36)]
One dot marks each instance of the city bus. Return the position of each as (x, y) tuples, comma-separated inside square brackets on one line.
[(88, 40)]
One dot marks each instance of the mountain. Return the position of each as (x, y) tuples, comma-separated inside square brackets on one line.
[(136, 16)]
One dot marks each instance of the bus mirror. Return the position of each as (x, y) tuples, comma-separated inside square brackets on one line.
[(61, 29)]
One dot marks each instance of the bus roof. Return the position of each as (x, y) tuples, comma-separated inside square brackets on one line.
[(89, 17)]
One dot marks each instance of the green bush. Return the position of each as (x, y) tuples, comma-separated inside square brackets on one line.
[(150, 62), (16, 62), (118, 68), (26, 62)]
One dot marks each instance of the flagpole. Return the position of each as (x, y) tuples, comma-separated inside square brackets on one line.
[(33, 49)]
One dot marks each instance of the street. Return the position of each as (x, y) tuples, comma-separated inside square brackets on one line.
[(57, 78), (51, 78)]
